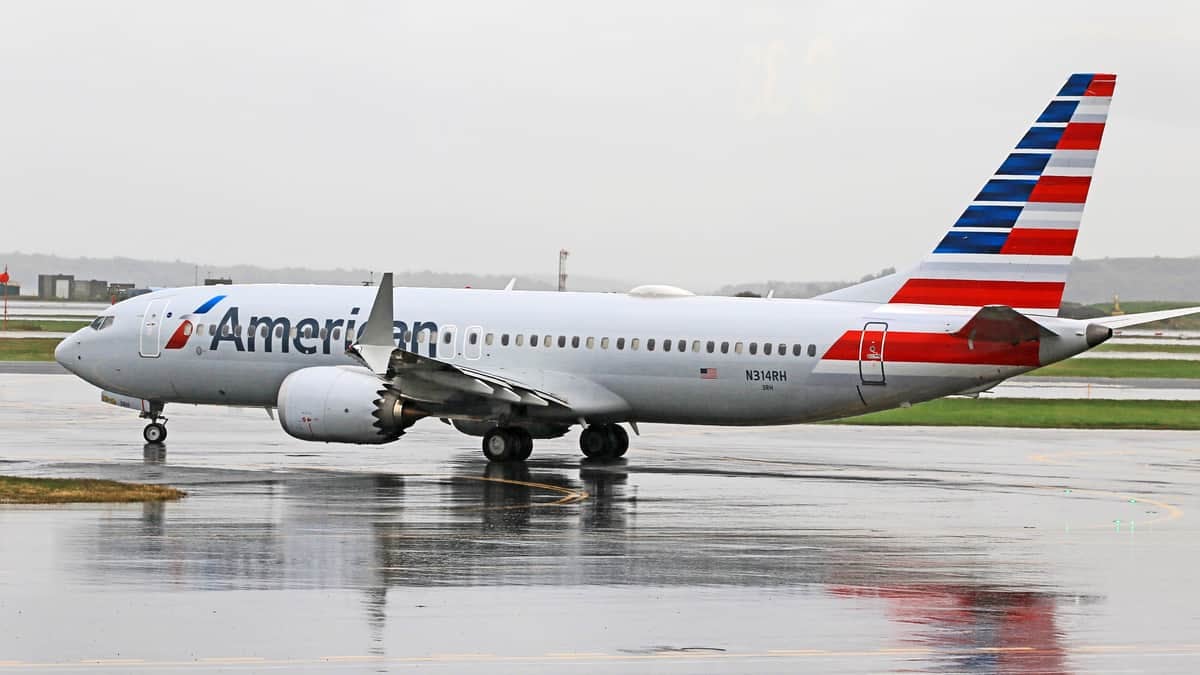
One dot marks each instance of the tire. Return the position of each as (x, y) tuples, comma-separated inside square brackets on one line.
[(595, 443), (619, 439), (524, 444), (154, 433), (500, 445)]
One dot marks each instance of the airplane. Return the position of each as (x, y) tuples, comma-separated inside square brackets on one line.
[(362, 365)]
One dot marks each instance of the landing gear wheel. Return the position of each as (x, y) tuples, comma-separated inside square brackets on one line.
[(618, 438), (501, 445), (594, 443), (525, 444), (155, 432)]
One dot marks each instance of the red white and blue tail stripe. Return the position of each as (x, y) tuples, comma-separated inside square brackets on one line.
[(1013, 243)]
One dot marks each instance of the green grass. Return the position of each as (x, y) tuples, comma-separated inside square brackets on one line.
[(50, 325), (1084, 367), (1041, 414), (27, 349), (1190, 347), (15, 490)]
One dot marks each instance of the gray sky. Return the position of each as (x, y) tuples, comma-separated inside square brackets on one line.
[(693, 142)]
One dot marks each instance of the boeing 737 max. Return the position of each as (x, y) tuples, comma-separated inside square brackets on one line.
[(362, 365)]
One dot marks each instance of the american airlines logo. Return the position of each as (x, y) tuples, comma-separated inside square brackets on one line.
[(306, 335)]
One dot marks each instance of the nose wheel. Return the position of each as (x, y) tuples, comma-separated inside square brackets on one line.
[(155, 432)]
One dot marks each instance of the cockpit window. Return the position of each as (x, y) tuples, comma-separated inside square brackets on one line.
[(102, 322)]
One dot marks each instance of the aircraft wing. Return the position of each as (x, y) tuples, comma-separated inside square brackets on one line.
[(424, 378)]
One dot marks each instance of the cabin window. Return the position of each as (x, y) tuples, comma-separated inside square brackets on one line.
[(724, 347), (279, 331), (533, 340), (666, 345), (812, 350), (796, 349), (782, 349), (520, 339), (711, 346), (737, 348), (681, 345), (603, 343), (489, 339), (504, 340), (472, 338), (635, 343), (212, 329), (548, 341), (575, 342), (650, 345), (562, 341), (767, 347), (591, 343), (446, 337), (695, 345), (621, 343), (753, 348), (337, 333)]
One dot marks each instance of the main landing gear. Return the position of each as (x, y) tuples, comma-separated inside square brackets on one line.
[(156, 431), (507, 444), (604, 441)]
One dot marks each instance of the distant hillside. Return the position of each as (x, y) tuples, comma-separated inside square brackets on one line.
[(25, 268), (1167, 279)]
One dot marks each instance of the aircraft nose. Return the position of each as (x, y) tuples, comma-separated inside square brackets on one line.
[(67, 352)]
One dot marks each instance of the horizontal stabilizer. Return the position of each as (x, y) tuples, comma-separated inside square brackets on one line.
[(1001, 323), (1127, 320)]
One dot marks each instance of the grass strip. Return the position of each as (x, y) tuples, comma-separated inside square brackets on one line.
[(1085, 367), (14, 490), (1166, 348), (51, 326), (1040, 414), (27, 349)]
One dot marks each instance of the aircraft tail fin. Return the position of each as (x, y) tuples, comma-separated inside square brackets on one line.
[(1013, 243)]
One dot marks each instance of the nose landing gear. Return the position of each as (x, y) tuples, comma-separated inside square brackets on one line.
[(156, 430)]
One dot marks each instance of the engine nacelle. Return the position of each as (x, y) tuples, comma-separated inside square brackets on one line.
[(342, 404)]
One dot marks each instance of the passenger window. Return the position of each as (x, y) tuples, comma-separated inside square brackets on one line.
[(620, 343), (604, 343), (753, 348), (238, 330), (681, 345), (695, 345), (520, 339), (633, 344), (548, 341), (472, 337), (666, 345), (446, 337), (489, 339), (422, 337), (575, 342), (767, 348), (591, 343), (199, 329), (724, 347), (337, 333), (212, 329), (533, 340), (711, 346), (796, 349), (812, 350), (504, 340), (737, 348), (279, 331), (562, 341), (782, 349), (649, 345)]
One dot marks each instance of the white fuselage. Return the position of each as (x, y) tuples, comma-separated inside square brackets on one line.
[(240, 347)]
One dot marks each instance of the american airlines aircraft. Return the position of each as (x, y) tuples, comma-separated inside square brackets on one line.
[(362, 365)]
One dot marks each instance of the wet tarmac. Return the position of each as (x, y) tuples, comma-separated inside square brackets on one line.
[(816, 548)]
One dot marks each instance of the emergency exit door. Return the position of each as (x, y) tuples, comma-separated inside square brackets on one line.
[(870, 353)]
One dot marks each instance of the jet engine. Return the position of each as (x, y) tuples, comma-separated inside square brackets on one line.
[(342, 404)]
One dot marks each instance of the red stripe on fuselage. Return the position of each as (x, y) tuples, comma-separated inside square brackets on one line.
[(977, 293), (1029, 241), (1081, 136), (905, 347), (1061, 189)]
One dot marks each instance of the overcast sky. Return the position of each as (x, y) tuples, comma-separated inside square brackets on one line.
[(692, 143)]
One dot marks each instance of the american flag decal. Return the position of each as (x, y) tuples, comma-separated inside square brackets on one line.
[(708, 373)]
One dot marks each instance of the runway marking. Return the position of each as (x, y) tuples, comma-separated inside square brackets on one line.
[(570, 495)]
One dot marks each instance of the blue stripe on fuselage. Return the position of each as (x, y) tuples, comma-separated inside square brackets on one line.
[(203, 309)]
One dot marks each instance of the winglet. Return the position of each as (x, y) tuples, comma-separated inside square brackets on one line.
[(511, 283), (376, 345)]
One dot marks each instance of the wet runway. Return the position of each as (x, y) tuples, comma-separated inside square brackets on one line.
[(818, 548)]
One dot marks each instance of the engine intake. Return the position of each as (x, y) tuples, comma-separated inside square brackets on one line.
[(342, 404)]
